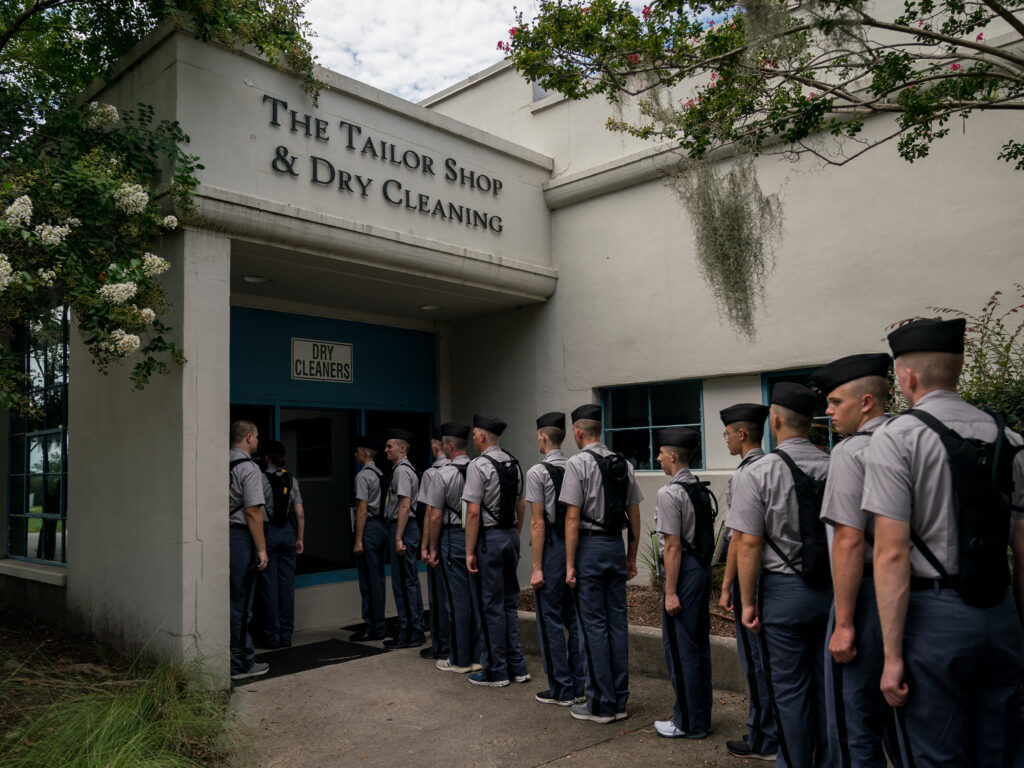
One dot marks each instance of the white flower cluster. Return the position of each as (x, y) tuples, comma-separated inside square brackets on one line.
[(46, 276), (131, 198), (74, 222), (19, 212), (153, 265), (122, 344), (101, 115), (6, 272), (169, 222), (118, 293), (147, 315), (52, 235)]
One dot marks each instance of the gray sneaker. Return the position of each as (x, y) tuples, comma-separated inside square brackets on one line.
[(523, 678), (446, 665), (257, 669), (580, 712)]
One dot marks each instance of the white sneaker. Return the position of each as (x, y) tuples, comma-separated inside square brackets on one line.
[(257, 669), (475, 667), (446, 665), (621, 715), (523, 678), (479, 678), (668, 729)]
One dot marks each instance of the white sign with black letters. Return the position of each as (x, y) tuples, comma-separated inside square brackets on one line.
[(321, 361)]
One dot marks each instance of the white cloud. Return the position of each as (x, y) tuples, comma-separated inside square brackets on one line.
[(412, 48)]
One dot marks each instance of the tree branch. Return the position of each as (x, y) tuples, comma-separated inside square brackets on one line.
[(1006, 15), (36, 8)]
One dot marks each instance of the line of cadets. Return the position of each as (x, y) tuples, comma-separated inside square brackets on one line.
[(892, 663)]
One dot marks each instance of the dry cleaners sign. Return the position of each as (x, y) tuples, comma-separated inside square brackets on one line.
[(321, 361)]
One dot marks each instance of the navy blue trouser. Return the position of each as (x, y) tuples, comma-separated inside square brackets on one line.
[(686, 640), (962, 666), (242, 581), (405, 581), (760, 719), (496, 594), (464, 638), (601, 601), (375, 553), (275, 588), (859, 719), (440, 629), (794, 621), (564, 663)]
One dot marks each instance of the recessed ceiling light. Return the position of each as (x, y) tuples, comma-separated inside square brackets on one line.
[(256, 279), (430, 307)]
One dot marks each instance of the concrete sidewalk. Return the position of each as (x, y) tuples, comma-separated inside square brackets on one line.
[(396, 711)]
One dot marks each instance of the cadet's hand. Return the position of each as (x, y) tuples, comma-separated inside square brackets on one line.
[(356, 550), (672, 606), (400, 547), (894, 688), (471, 564), (298, 548), (725, 599), (570, 576), (432, 559), (630, 569), (261, 560), (841, 646), (752, 618), (425, 554), (537, 578)]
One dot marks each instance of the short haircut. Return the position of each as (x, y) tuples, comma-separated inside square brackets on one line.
[(589, 427), (489, 437), (791, 420), (369, 451), (399, 441), (934, 369), (555, 434), (275, 450), (683, 455), (875, 386), (755, 431), (240, 430), (458, 443)]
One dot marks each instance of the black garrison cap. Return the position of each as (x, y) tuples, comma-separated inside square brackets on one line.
[(752, 412), (435, 433), (796, 397), (845, 369), (553, 419), (370, 442), (683, 437), (455, 429), (588, 411), (929, 336), (490, 423), (401, 434)]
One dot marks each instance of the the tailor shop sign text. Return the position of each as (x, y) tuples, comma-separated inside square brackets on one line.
[(322, 361), (359, 164)]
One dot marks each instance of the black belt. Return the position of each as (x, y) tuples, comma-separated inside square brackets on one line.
[(239, 526), (921, 584), (599, 532)]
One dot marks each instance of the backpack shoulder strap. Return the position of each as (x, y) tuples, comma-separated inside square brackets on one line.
[(235, 462), (789, 462), (937, 426)]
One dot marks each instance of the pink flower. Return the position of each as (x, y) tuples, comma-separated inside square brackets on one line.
[(646, 12), (711, 24), (512, 32), (955, 66), (978, 38), (633, 58)]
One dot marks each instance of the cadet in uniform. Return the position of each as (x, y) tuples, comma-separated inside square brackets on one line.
[(856, 388), (686, 624), (555, 613), (951, 668), (439, 629), (597, 567), (447, 551), (404, 536), (371, 539), (494, 518), (744, 431), (275, 590), (792, 614), (248, 548)]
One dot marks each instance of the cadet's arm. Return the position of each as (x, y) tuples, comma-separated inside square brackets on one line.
[(892, 589), (361, 513), (520, 514), (847, 572), (537, 523), (472, 529), (572, 534), (300, 520), (254, 519), (673, 558), (1017, 545), (404, 507), (633, 540), (729, 578), (748, 566), (433, 526)]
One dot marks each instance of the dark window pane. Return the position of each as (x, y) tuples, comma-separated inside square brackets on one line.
[(52, 505), (677, 402), (17, 541), (634, 444), (55, 408), (35, 495), (18, 500), (626, 407), (18, 449)]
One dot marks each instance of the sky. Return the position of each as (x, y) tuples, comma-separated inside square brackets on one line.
[(411, 48)]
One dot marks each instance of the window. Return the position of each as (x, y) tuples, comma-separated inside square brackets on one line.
[(632, 416), (38, 449), (821, 429)]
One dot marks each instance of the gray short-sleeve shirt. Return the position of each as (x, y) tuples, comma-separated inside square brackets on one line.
[(673, 513), (404, 483), (245, 486), (583, 488), (907, 475), (764, 502), (482, 485), (429, 478), (540, 488), (752, 455), (445, 492), (368, 488)]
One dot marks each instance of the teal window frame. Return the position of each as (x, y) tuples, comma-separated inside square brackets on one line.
[(606, 393), (800, 376)]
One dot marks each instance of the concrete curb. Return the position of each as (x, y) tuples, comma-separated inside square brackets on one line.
[(647, 656)]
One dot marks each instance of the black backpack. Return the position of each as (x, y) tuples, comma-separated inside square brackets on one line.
[(281, 482), (615, 482), (814, 565), (705, 510), (509, 477), (982, 478), (557, 475)]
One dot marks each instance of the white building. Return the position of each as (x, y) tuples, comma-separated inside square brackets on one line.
[(483, 251)]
